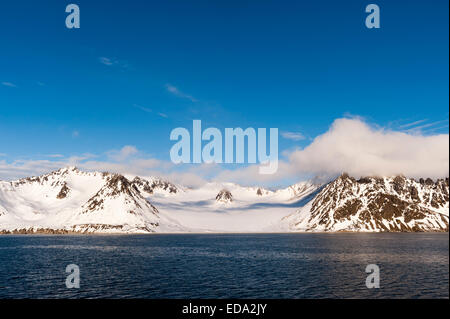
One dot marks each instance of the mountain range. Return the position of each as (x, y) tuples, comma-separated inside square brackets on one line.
[(73, 201)]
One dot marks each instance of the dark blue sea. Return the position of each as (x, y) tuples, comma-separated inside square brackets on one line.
[(412, 265)]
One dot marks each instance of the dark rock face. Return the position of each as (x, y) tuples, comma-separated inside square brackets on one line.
[(53, 178), (380, 204), (63, 192), (364, 180), (224, 196), (414, 193), (119, 184), (143, 184), (399, 184), (259, 192), (150, 186)]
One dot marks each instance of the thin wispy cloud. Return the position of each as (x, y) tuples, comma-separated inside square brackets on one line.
[(294, 136), (106, 61), (29, 167), (55, 155), (113, 62), (412, 123), (75, 134), (428, 126), (9, 84), (434, 129), (148, 110), (143, 108), (123, 154), (73, 160), (175, 91)]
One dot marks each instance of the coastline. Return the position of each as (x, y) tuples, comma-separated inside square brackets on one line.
[(59, 232)]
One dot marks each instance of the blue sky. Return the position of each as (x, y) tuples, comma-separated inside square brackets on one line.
[(137, 69)]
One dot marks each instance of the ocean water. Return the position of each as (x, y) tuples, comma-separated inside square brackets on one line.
[(226, 265)]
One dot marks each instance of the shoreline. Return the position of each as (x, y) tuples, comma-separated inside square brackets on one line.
[(60, 232)]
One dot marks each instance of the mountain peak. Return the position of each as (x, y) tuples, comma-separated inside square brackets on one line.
[(377, 204), (65, 170), (118, 184), (155, 184), (224, 196)]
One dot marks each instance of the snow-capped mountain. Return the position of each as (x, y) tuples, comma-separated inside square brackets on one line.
[(376, 204), (224, 196), (117, 204), (70, 200)]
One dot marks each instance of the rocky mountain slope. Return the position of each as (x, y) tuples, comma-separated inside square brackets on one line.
[(69, 200), (374, 204), (224, 196)]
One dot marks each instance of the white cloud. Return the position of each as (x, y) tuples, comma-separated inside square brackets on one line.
[(25, 168), (186, 179), (250, 175), (55, 155), (143, 108), (123, 154), (9, 84), (295, 136), (106, 61), (113, 62), (352, 146), (175, 91), (127, 164)]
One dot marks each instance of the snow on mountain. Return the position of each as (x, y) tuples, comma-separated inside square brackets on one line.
[(374, 204), (252, 209), (117, 204), (299, 190), (70, 200)]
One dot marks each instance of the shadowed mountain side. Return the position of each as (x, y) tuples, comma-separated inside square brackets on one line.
[(295, 204)]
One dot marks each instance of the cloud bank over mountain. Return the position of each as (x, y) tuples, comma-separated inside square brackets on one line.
[(355, 147), (350, 145)]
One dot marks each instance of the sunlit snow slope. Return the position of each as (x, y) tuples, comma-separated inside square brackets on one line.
[(73, 201)]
